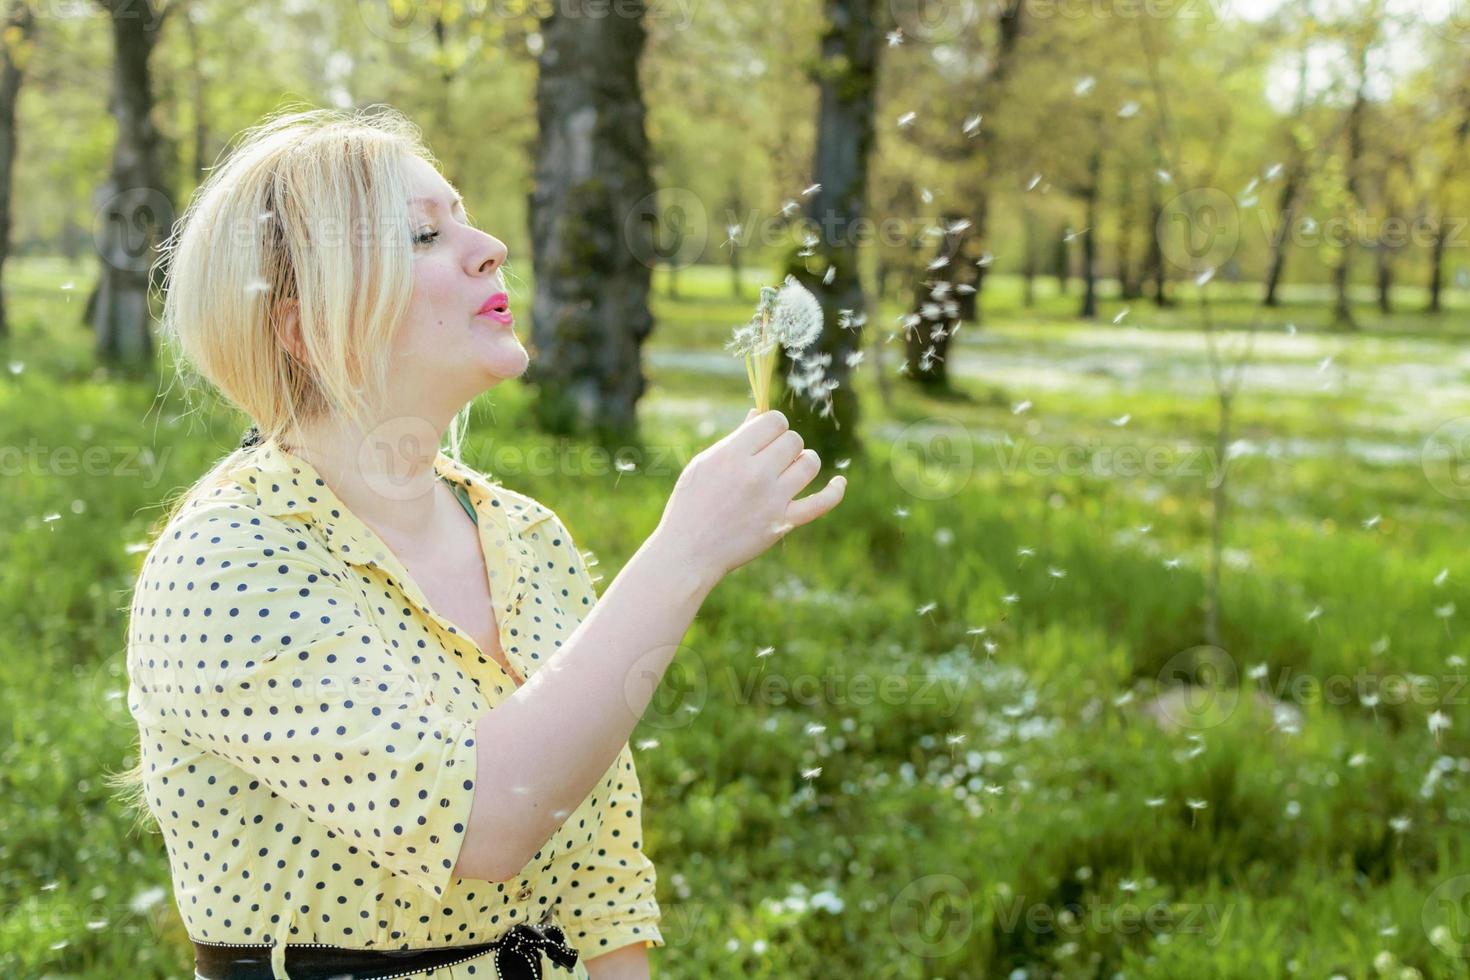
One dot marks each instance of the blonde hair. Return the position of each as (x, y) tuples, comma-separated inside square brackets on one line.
[(311, 205)]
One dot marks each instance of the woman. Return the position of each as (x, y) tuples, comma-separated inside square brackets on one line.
[(384, 716)]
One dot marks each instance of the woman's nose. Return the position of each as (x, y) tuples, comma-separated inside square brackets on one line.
[(492, 255)]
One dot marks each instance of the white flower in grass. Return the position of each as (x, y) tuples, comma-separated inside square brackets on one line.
[(1438, 722), (1400, 824)]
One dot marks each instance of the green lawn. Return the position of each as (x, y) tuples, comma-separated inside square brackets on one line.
[(987, 802)]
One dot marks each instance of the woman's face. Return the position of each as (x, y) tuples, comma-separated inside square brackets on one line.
[(447, 352)]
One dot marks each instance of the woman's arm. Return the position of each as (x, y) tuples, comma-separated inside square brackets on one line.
[(544, 749), (628, 963)]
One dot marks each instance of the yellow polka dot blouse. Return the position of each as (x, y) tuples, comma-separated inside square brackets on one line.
[(307, 727)]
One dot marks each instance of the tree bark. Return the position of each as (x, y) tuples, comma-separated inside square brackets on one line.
[(19, 25), (136, 210), (822, 405), (1286, 206), (935, 304), (591, 216), (1089, 237)]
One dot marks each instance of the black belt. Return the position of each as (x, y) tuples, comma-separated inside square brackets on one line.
[(517, 957)]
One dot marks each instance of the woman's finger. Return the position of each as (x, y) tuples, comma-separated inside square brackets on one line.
[(814, 505)]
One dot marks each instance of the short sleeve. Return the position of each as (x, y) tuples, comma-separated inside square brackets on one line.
[(246, 643), (610, 900)]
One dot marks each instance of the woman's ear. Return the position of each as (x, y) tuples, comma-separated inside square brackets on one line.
[(287, 321)]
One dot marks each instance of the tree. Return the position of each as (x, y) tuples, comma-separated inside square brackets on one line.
[(135, 207), (17, 41), (591, 246), (846, 72)]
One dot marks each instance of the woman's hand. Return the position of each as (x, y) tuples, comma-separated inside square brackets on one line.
[(735, 499)]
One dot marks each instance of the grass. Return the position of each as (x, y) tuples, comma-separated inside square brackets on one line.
[(979, 810)]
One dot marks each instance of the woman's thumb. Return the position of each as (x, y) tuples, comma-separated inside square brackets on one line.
[(749, 414)]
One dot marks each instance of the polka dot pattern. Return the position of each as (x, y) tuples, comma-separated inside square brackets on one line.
[(307, 726)]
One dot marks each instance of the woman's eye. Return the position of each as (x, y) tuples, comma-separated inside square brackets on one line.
[(425, 237)]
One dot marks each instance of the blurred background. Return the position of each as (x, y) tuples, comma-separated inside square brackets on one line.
[(1134, 649)]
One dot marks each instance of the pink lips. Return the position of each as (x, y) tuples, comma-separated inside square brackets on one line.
[(497, 308)]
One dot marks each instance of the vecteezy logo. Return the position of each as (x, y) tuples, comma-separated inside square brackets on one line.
[(1446, 458), (1446, 916), (668, 227), (932, 916), (1198, 688), (128, 226), (1199, 229), (933, 458)]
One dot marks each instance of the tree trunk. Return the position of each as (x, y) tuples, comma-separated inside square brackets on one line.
[(591, 216), (1089, 237), (927, 342), (1286, 206), (1062, 262), (1384, 256), (1128, 286), (16, 49), (1028, 268), (822, 405), (136, 210), (1436, 268)]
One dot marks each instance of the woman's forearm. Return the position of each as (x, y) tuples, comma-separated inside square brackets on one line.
[(543, 750), (628, 963)]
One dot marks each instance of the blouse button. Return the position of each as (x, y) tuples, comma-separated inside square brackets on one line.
[(525, 892)]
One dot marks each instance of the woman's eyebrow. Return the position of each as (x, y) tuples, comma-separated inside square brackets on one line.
[(433, 202)]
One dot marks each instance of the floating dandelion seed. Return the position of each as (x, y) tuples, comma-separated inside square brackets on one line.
[(1024, 552), (1155, 801), (1173, 563), (1144, 528), (1020, 406), (900, 512), (815, 728), (907, 119), (926, 195), (985, 260), (1357, 759), (842, 464), (1194, 807), (811, 189), (1010, 598), (1256, 672), (810, 774), (789, 208), (1164, 176), (1442, 577), (1372, 522), (829, 275), (1438, 722), (927, 608), (1324, 364), (1204, 277), (623, 466), (1070, 235), (938, 263), (1128, 110), (1121, 420), (1084, 85), (1273, 171), (1400, 825), (1445, 611), (1291, 329), (764, 652), (1057, 572), (1314, 614), (16, 367), (731, 233), (894, 37), (972, 126), (1031, 184), (644, 744), (1121, 314)]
